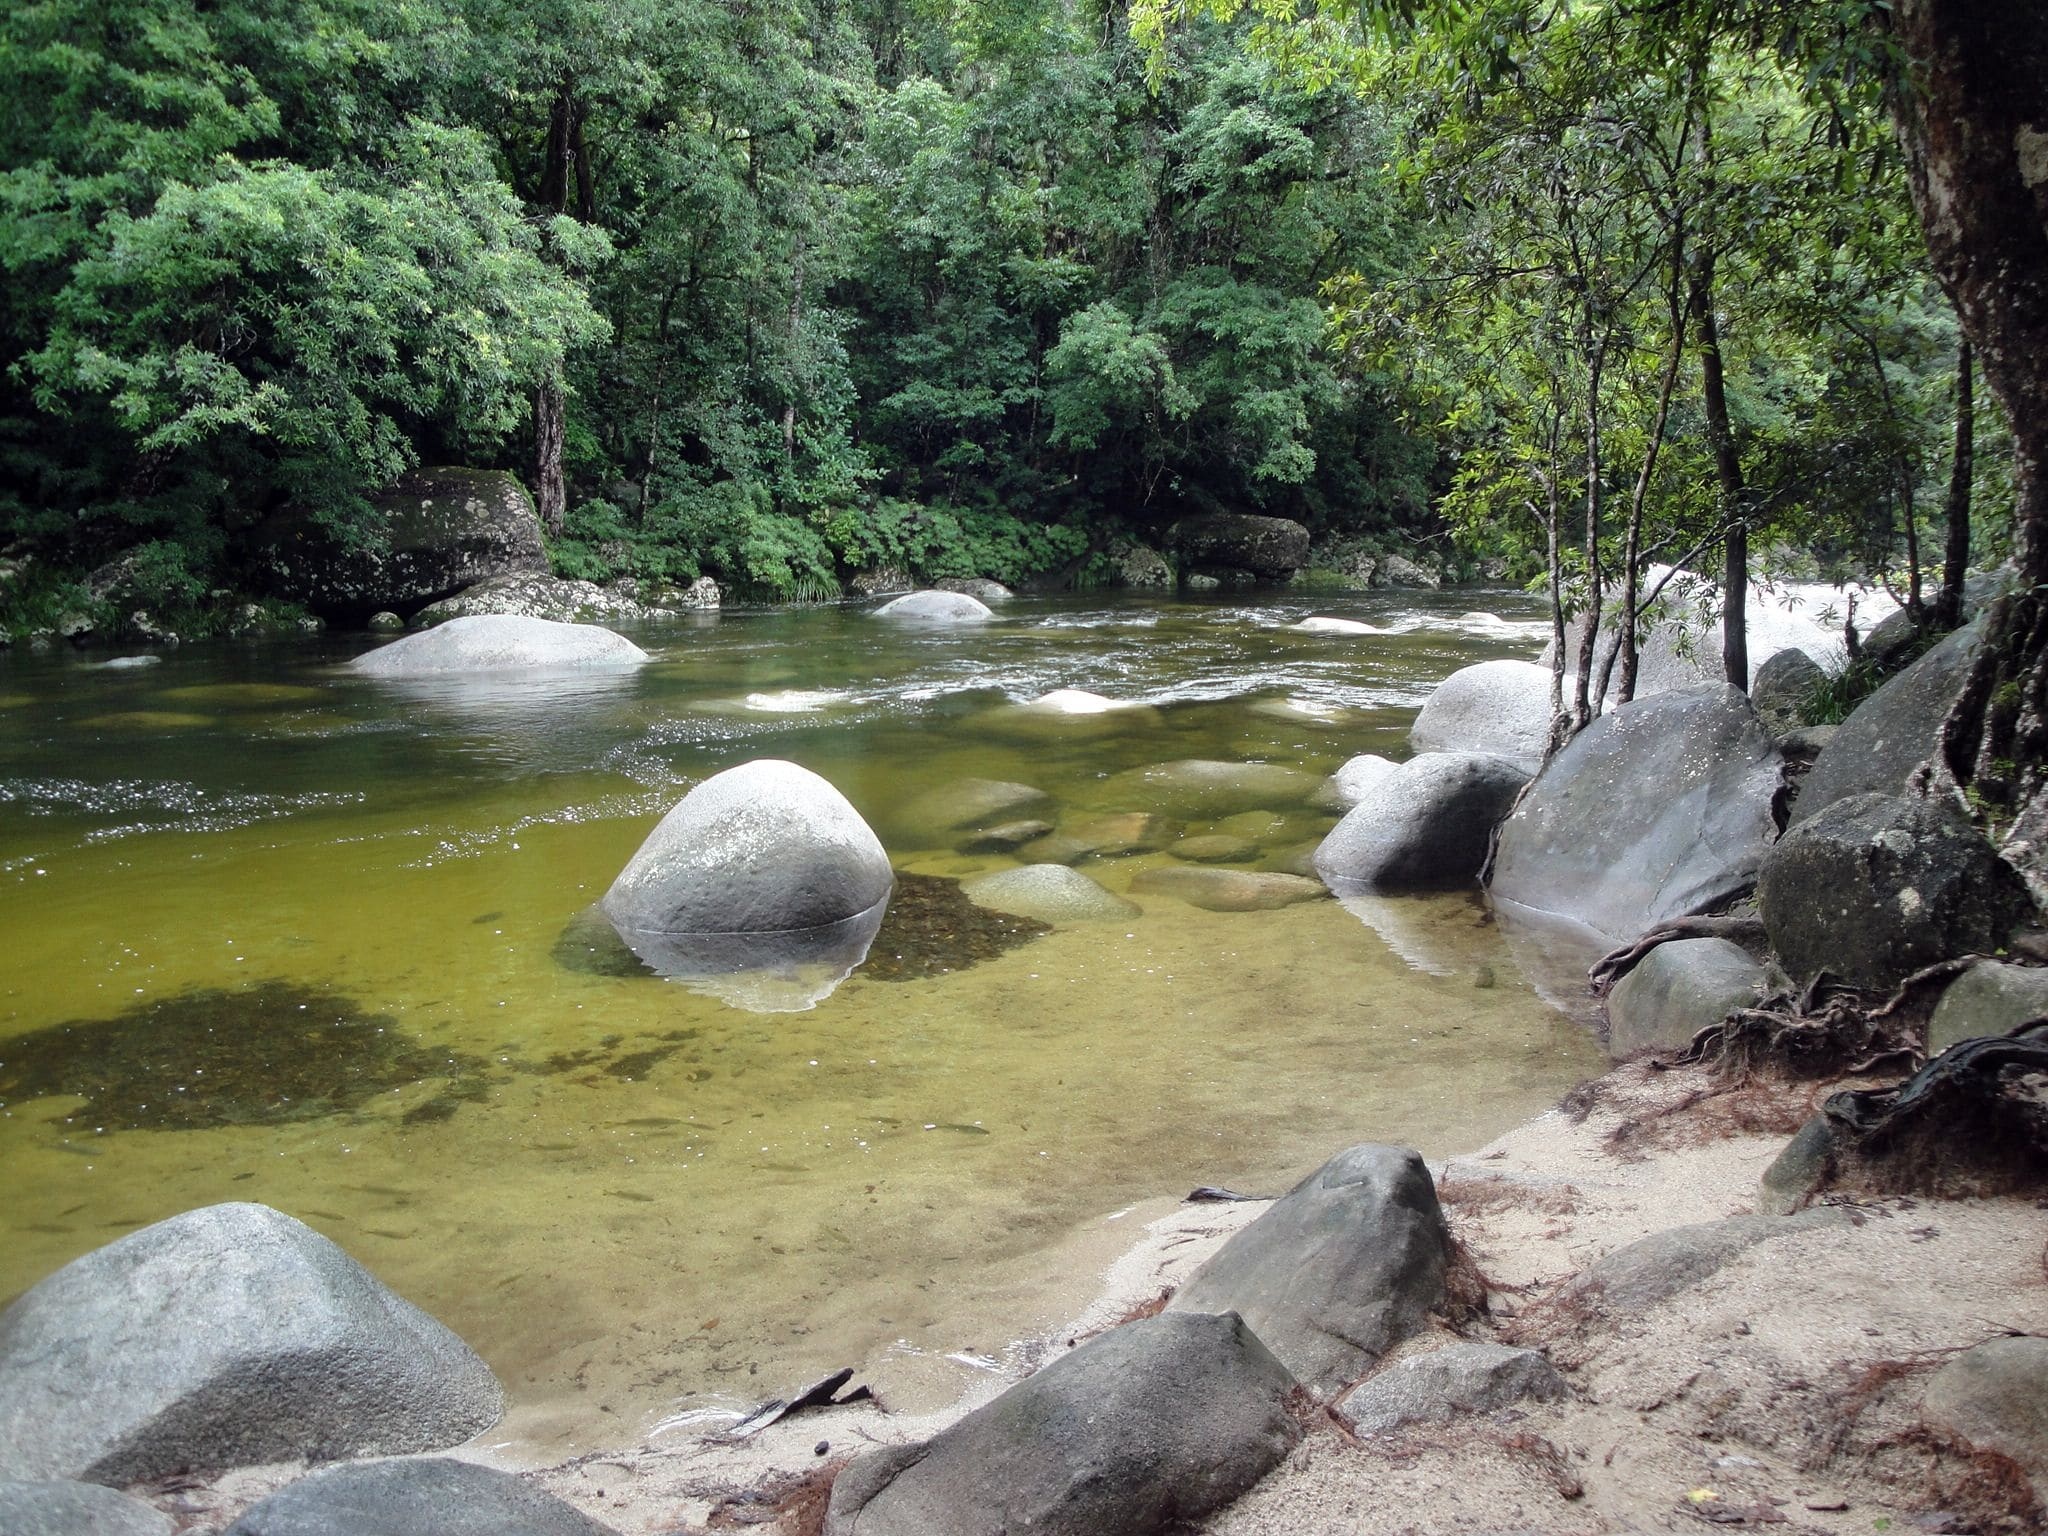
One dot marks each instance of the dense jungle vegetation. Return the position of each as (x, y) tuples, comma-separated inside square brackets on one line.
[(780, 292)]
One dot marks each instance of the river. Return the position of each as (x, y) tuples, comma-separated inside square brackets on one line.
[(277, 933)]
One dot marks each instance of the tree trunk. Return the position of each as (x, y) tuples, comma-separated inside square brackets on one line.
[(1973, 122), (1728, 475), (1585, 708), (549, 498), (1962, 468)]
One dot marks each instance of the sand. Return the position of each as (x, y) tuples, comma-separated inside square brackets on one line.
[(1781, 1390)]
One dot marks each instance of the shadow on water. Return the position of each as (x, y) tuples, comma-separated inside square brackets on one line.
[(275, 1052), (930, 929)]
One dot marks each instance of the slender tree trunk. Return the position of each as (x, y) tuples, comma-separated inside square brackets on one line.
[(549, 499), (1585, 708), (796, 322), (1727, 476), (1955, 557)]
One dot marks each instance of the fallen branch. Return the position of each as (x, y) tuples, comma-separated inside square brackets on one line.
[(1611, 967)]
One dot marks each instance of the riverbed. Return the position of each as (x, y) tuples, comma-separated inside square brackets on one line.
[(277, 933)]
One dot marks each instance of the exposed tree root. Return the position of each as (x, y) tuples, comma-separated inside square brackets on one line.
[(1973, 1121), (1737, 928)]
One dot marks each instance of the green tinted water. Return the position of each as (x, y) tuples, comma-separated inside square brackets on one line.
[(274, 933)]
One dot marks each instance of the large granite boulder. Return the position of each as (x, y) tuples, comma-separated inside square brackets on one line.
[(1989, 998), (936, 608), (1434, 1388), (225, 1337), (1338, 1270), (1354, 783), (59, 1507), (499, 643), (1502, 707), (1878, 885), (1137, 1431), (433, 533), (1273, 548), (766, 847), (537, 595), (1677, 990), (1425, 826), (431, 1496), (1658, 809), (1893, 731)]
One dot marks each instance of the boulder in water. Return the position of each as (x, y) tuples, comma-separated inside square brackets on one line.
[(1201, 789), (767, 847), (1425, 826), (1659, 809), (225, 1337), (1339, 1270), (1051, 893), (1502, 707), (1228, 890), (1354, 782), (936, 608), (1323, 625), (491, 643), (1875, 886), (980, 588), (1272, 548)]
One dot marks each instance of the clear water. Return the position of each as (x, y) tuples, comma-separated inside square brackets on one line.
[(275, 933)]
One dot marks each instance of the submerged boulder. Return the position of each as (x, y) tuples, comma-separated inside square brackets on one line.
[(1228, 890), (498, 643), (1660, 808), (225, 1337), (1338, 1270), (1875, 886), (1204, 788), (1502, 707), (936, 608), (435, 532), (1139, 1430), (766, 847), (430, 1494), (1273, 548), (1425, 826), (1893, 731), (1051, 893)]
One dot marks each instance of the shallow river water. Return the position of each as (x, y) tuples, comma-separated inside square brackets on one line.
[(276, 933)]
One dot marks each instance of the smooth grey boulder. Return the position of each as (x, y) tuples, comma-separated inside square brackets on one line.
[(1425, 826), (60, 1507), (1893, 731), (1459, 1378), (1995, 1397), (1677, 990), (1990, 998), (1878, 885), (1228, 890), (1354, 782), (436, 531), (1661, 1265), (1270, 547), (1659, 809), (936, 608), (1199, 789), (1502, 707), (498, 642), (1783, 688), (765, 847), (225, 1337), (1800, 1170), (1338, 1270), (430, 1496), (1051, 893), (1896, 632), (537, 595), (1400, 571), (1141, 1428)]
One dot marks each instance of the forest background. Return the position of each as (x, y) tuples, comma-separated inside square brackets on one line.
[(783, 292)]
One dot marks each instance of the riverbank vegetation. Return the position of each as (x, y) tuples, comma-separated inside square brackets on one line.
[(785, 294)]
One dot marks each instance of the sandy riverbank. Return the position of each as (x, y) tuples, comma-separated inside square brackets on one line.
[(1781, 1388)]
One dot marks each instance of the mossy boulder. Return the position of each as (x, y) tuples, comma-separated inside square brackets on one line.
[(433, 533)]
